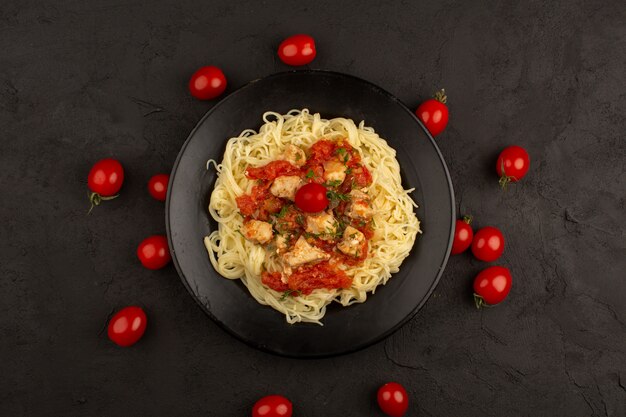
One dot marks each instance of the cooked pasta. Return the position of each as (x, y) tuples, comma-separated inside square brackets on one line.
[(391, 223)]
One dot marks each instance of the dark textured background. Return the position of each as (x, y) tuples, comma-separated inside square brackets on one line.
[(79, 82)]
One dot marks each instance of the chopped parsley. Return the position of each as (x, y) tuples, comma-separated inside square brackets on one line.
[(283, 211), (334, 183), (288, 293), (343, 154), (348, 171), (310, 174), (334, 196)]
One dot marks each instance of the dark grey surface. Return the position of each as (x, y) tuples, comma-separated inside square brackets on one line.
[(75, 80)]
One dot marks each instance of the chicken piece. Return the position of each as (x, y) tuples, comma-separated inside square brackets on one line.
[(294, 155), (334, 171), (281, 243), (285, 186), (257, 231), (322, 224), (359, 207), (303, 253), (352, 242)]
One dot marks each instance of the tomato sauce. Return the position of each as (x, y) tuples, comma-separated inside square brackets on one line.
[(272, 170), (249, 203), (322, 275), (290, 221), (272, 280)]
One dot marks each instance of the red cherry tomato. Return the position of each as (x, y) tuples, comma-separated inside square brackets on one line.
[(127, 326), (463, 235), (492, 285), (272, 406), (488, 244), (105, 180), (207, 83), (157, 186), (512, 165), (311, 198), (154, 252), (434, 113), (393, 399), (297, 50)]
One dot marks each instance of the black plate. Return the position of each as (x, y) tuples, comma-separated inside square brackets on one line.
[(345, 329)]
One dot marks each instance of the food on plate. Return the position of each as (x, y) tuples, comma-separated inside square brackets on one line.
[(127, 326), (492, 285), (297, 50), (434, 113), (463, 235), (105, 180), (488, 244), (272, 406), (393, 399), (154, 252), (157, 186), (310, 211), (207, 83), (512, 165)]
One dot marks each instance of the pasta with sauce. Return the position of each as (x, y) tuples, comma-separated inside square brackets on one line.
[(299, 262)]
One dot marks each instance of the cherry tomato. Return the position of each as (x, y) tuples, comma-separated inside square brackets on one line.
[(488, 244), (512, 165), (434, 113), (272, 406), (127, 326), (157, 186), (393, 399), (105, 180), (463, 235), (297, 50), (154, 252), (311, 198), (207, 83), (492, 285)]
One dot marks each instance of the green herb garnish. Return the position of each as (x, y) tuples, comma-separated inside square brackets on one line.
[(288, 293), (335, 196), (310, 174), (334, 183), (283, 211)]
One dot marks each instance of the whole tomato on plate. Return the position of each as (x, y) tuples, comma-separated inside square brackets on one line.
[(311, 198)]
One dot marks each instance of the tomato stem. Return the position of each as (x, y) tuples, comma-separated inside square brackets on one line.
[(505, 179), (479, 301), (95, 199), (468, 219), (441, 96)]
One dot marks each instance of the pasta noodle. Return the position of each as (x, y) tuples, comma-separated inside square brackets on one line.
[(234, 257)]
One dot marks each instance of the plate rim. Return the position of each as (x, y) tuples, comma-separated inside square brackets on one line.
[(357, 347)]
